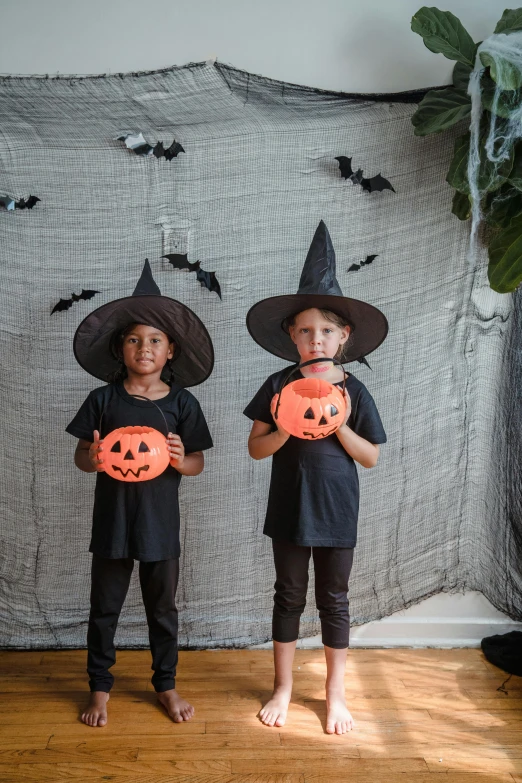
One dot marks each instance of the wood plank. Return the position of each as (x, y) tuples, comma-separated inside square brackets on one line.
[(187, 659), (171, 741), (328, 766), (469, 679), (95, 768), (74, 670), (498, 717), (471, 751), (493, 689), (467, 764), (38, 733), (21, 657), (412, 777), (432, 702), (271, 759), (388, 737), (71, 717), (26, 743), (118, 727), (61, 755), (45, 683), (178, 777)]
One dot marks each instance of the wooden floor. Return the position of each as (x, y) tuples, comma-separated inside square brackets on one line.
[(422, 716)]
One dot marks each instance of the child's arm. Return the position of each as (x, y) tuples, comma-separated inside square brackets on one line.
[(359, 449), (87, 455), (262, 442), (187, 464)]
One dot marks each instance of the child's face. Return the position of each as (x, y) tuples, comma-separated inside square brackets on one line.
[(315, 336), (146, 350)]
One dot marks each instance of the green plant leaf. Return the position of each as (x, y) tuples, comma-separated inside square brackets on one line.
[(490, 176), (457, 175), (515, 175), (444, 34), (504, 206), (440, 109), (506, 75), (461, 74), (510, 21), (508, 100), (505, 258), (461, 206)]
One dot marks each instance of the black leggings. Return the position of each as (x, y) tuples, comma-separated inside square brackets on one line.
[(332, 566), (109, 585)]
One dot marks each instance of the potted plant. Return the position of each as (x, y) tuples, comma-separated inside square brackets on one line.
[(486, 169)]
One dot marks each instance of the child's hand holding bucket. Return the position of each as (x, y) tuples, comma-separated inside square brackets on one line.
[(95, 450), (348, 407), (176, 450)]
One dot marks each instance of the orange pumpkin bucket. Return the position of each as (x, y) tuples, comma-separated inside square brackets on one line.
[(135, 453), (309, 408)]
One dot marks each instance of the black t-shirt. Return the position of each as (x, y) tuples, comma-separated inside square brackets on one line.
[(139, 519), (314, 486)]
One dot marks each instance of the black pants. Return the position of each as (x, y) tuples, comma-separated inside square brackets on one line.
[(332, 566), (109, 585)]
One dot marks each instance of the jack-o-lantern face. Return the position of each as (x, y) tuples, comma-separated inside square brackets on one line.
[(310, 408), (135, 453)]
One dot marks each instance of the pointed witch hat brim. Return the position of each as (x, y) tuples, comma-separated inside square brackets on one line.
[(95, 344), (318, 287)]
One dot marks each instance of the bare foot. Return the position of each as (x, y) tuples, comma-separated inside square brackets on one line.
[(274, 712), (96, 712), (338, 718), (178, 709)]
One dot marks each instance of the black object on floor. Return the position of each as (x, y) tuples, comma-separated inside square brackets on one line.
[(505, 651)]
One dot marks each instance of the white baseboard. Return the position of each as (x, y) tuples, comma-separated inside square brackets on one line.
[(443, 621)]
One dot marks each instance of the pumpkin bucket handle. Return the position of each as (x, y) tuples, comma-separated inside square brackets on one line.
[(147, 400), (298, 367)]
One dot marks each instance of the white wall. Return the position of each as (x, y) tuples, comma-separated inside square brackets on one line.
[(345, 45)]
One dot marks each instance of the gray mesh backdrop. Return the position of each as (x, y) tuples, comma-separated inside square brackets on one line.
[(441, 511)]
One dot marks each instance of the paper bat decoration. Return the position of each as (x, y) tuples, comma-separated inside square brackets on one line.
[(207, 279), (10, 203), (136, 143), (371, 184), (355, 267), (64, 304), (169, 153), (362, 360)]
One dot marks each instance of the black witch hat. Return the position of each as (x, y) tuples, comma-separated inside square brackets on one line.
[(95, 339), (318, 287)]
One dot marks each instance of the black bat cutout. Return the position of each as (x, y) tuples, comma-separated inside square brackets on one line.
[(355, 267), (27, 204), (64, 304), (207, 279), (23, 203), (362, 360), (169, 153), (136, 142), (370, 184), (143, 149)]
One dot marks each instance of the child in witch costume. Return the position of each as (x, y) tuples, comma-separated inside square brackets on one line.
[(149, 346), (314, 490)]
